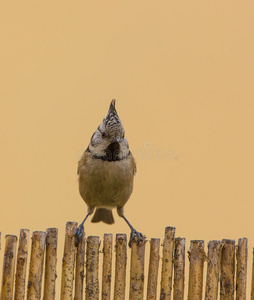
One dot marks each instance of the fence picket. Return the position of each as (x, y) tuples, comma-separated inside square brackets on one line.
[(213, 270), (153, 269), (20, 284), (241, 271), (226, 276), (137, 271), (167, 263), (179, 268), (50, 266), (36, 265), (107, 267), (227, 270), (68, 262), (197, 258), (92, 268), (80, 269), (9, 267), (120, 267)]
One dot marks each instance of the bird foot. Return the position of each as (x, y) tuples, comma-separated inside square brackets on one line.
[(136, 237), (78, 234)]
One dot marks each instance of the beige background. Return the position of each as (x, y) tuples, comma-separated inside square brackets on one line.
[(182, 74)]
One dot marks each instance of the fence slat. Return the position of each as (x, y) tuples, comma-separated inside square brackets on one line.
[(252, 279), (213, 270), (227, 270), (68, 262), (224, 263), (120, 267), (50, 266), (80, 269), (179, 268), (92, 268), (9, 267), (153, 269), (20, 283), (36, 265), (107, 267), (167, 263), (137, 271), (241, 271), (196, 257)]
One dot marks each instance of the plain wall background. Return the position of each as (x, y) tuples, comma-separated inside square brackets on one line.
[(182, 73)]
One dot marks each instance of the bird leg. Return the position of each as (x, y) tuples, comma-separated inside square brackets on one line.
[(80, 230), (135, 236)]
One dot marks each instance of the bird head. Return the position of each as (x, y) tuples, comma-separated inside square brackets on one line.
[(109, 141)]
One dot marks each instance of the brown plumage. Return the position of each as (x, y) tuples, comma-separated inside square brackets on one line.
[(106, 171)]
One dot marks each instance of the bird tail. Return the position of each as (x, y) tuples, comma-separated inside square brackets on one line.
[(104, 215)]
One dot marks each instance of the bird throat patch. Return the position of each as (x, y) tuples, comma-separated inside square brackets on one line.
[(111, 153)]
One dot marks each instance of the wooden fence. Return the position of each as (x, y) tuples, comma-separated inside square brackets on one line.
[(225, 278)]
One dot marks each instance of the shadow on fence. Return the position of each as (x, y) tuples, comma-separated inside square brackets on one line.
[(82, 264)]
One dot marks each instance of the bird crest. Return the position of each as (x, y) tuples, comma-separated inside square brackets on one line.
[(112, 121)]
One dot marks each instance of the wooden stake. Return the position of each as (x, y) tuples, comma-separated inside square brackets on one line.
[(196, 257), (179, 268), (36, 265), (153, 269), (252, 280), (167, 263), (107, 266), (50, 267), (227, 270), (9, 267), (137, 271), (120, 267), (80, 269), (68, 262), (20, 284), (241, 271), (213, 270), (92, 268)]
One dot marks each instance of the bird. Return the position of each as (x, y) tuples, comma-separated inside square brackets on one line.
[(106, 173)]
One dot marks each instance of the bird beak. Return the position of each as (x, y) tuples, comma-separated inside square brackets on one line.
[(115, 140)]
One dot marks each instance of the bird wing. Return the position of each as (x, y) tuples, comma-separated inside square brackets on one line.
[(83, 159), (133, 164)]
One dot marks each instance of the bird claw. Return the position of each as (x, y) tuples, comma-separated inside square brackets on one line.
[(78, 234), (136, 237)]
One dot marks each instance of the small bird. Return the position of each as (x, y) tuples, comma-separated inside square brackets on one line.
[(106, 171)]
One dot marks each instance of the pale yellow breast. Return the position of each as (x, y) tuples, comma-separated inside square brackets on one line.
[(106, 184)]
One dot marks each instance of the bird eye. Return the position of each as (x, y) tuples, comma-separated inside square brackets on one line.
[(103, 135)]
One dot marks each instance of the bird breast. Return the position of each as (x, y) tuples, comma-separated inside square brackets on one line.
[(106, 184)]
